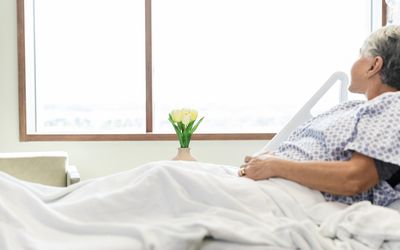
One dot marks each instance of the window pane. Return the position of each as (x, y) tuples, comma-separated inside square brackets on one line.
[(89, 58), (249, 65)]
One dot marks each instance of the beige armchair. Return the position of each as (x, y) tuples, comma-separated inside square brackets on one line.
[(49, 168)]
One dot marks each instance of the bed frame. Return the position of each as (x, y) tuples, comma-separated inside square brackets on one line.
[(304, 113)]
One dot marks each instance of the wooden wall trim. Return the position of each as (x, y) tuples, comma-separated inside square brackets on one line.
[(146, 137)]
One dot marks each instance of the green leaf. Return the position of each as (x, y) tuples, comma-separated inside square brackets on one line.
[(170, 119), (176, 128), (190, 125), (189, 137), (198, 123), (181, 126)]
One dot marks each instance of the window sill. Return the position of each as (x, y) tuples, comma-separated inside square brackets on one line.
[(142, 137)]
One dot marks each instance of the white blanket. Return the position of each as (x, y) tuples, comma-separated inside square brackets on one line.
[(186, 205)]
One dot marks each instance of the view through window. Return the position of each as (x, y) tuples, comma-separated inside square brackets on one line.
[(246, 65)]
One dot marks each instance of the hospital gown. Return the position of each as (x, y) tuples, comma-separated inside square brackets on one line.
[(371, 128)]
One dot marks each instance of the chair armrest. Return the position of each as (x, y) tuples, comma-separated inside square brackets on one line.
[(48, 168), (73, 175)]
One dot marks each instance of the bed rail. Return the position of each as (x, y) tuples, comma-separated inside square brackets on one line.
[(304, 113)]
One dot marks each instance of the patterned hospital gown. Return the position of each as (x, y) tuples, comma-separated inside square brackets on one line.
[(370, 127)]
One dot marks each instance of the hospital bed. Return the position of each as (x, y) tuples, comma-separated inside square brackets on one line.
[(304, 114), (181, 205)]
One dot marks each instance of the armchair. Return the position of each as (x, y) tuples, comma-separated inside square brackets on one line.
[(49, 168)]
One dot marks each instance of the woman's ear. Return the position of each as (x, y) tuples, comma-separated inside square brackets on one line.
[(376, 66)]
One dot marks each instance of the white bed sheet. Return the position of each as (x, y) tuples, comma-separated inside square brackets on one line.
[(186, 205)]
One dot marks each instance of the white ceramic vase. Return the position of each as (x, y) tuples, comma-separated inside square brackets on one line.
[(184, 155)]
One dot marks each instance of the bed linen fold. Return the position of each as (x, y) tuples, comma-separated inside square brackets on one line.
[(186, 205)]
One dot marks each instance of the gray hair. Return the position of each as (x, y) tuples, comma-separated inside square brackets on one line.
[(385, 42)]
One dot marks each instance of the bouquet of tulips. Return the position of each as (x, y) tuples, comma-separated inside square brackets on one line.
[(183, 121)]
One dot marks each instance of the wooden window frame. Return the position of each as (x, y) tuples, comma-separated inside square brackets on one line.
[(384, 12), (149, 135)]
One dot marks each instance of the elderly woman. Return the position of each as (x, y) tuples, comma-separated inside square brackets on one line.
[(352, 152)]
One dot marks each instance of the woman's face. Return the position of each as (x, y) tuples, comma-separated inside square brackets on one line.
[(359, 75)]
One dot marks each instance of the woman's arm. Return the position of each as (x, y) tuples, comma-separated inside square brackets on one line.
[(336, 177)]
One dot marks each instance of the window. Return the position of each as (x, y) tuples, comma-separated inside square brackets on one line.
[(112, 70), (393, 11)]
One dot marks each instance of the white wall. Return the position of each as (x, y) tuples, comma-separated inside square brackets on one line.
[(92, 158)]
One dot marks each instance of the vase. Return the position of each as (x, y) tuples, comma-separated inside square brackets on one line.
[(184, 155)]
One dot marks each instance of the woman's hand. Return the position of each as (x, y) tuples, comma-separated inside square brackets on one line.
[(349, 177), (259, 168)]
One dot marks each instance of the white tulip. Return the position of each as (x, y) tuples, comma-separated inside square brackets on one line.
[(186, 118), (193, 114), (176, 115)]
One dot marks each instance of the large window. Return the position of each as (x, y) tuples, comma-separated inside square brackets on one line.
[(113, 69)]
